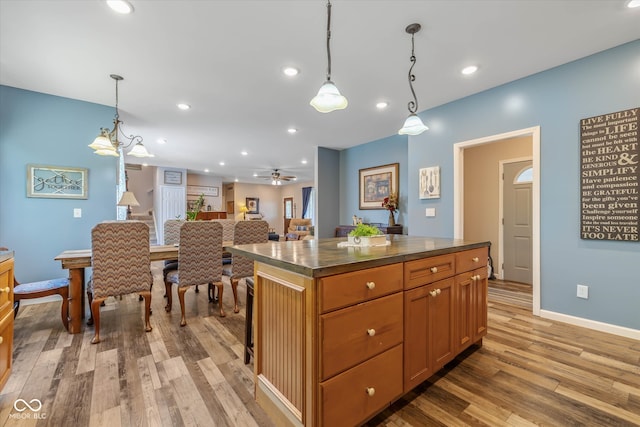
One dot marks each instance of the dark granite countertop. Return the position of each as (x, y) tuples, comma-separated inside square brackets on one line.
[(323, 257)]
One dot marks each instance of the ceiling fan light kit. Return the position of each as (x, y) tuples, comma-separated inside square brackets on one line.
[(329, 98), (413, 125), (276, 178)]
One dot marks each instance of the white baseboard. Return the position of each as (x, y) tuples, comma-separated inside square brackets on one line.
[(592, 324)]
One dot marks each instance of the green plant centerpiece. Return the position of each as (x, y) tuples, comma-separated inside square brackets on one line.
[(366, 235)]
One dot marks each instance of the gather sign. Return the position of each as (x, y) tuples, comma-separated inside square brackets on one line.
[(610, 176)]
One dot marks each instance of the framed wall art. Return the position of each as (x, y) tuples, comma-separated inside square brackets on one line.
[(429, 185), (376, 183), (57, 182), (173, 177), (253, 204)]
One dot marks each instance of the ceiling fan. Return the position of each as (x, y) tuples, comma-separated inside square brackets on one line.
[(276, 178)]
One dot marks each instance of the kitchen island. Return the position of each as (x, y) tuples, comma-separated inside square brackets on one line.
[(342, 332)]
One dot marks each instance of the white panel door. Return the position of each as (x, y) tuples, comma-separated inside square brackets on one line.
[(173, 205), (517, 213)]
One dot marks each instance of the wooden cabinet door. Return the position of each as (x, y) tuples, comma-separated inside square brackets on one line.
[(429, 338), (480, 304), (465, 287)]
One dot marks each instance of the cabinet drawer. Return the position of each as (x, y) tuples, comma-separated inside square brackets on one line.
[(472, 259), (6, 336), (346, 289), (345, 400), (354, 334), (427, 270)]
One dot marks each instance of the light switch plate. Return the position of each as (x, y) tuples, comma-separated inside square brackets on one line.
[(77, 213), (583, 292), (430, 212)]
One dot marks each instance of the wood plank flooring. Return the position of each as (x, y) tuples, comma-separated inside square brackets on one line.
[(529, 371)]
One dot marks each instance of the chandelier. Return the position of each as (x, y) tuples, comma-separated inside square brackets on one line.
[(108, 142), (328, 98), (413, 125)]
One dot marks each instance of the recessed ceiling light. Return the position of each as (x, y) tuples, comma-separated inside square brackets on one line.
[(183, 106), (290, 71), (145, 164), (206, 170), (120, 6), (236, 180), (292, 130), (161, 141), (469, 70), (304, 161), (381, 105), (221, 163), (244, 152), (255, 174), (631, 4)]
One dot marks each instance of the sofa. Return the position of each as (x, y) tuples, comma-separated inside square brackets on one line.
[(300, 227)]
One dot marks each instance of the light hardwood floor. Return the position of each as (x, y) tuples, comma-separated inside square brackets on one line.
[(529, 371)]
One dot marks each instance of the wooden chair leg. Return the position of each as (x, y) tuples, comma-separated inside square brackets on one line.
[(95, 313), (167, 288), (220, 287), (147, 310), (64, 311), (234, 288), (90, 300), (181, 291)]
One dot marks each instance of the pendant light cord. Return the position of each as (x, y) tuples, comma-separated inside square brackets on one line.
[(413, 105), (328, 39)]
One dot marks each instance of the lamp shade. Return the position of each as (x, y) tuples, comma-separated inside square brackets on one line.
[(412, 126), (128, 199), (102, 142), (329, 99), (139, 151)]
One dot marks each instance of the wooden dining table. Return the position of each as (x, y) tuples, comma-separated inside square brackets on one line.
[(77, 260)]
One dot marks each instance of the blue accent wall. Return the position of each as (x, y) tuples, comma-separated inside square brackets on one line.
[(384, 151), (555, 100), (48, 130)]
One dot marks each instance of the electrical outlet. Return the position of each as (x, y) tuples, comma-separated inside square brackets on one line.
[(583, 292), (77, 213)]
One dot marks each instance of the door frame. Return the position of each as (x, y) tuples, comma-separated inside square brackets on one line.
[(458, 195), (501, 164)]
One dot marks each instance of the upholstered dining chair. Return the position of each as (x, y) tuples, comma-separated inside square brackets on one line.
[(121, 265), (199, 262), (171, 237), (246, 232)]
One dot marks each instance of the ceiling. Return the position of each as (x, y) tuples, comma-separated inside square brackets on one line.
[(225, 59)]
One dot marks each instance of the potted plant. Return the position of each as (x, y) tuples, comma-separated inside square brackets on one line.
[(197, 206), (366, 235)]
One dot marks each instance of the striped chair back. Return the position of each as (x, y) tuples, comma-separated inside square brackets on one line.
[(200, 253), (246, 232), (120, 258), (172, 231)]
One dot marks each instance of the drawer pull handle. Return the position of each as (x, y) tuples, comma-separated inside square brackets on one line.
[(371, 285), (434, 269), (475, 259), (435, 292), (7, 289), (371, 391), (371, 332)]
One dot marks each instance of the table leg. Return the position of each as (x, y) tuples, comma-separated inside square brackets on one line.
[(76, 299)]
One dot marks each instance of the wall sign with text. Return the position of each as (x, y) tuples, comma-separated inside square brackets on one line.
[(610, 176), (57, 182)]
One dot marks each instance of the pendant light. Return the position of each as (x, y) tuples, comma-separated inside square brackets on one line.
[(328, 98), (108, 144), (413, 125)]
